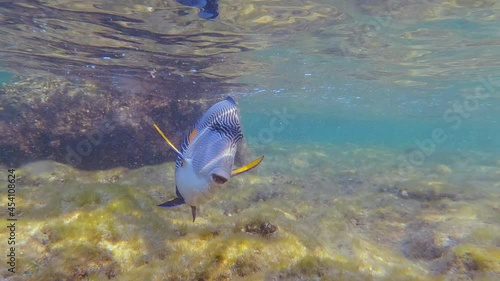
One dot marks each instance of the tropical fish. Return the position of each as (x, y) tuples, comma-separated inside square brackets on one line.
[(205, 162)]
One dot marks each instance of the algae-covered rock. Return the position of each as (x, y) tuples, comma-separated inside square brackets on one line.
[(424, 190), (442, 169), (96, 125), (473, 257), (105, 225), (422, 242), (265, 229), (471, 262)]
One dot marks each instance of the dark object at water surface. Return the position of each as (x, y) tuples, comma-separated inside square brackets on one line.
[(209, 9)]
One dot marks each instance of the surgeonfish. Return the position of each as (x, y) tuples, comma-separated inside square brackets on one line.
[(205, 162)]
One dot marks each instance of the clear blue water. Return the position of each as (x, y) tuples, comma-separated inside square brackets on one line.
[(397, 120)]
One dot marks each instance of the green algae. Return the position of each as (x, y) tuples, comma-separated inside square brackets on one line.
[(273, 225), (472, 257), (486, 233)]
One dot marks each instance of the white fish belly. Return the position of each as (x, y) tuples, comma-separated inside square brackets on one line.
[(194, 188)]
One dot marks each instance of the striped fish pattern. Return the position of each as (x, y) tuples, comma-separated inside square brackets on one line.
[(217, 130), (205, 162)]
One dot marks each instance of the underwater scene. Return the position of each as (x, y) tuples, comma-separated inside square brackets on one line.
[(132, 135)]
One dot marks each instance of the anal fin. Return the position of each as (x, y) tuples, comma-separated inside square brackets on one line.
[(193, 211)]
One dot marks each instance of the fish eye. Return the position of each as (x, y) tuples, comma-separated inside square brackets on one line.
[(218, 179)]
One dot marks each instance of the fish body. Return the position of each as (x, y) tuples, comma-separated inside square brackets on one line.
[(205, 162)]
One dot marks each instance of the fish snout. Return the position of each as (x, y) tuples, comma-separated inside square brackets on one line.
[(220, 175), (218, 179)]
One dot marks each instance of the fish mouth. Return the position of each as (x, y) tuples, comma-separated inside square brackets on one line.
[(219, 179)]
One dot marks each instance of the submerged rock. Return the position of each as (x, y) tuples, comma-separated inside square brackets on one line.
[(423, 190), (422, 242), (262, 228), (470, 262), (97, 125), (349, 183), (266, 194)]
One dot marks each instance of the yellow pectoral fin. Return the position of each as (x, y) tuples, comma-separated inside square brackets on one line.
[(167, 140), (248, 166)]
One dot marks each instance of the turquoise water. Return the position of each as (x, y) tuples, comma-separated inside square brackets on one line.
[(394, 121), (5, 77), (379, 122)]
